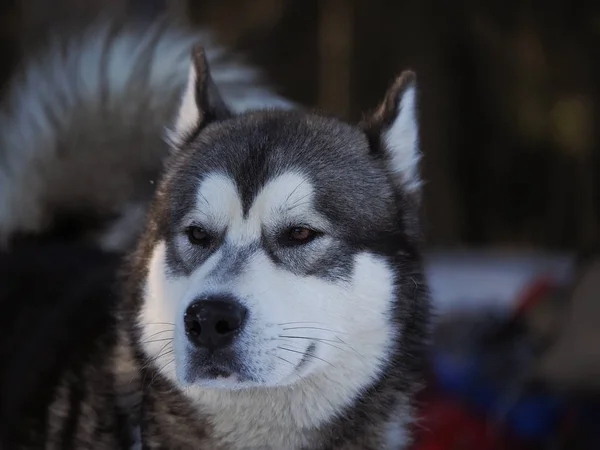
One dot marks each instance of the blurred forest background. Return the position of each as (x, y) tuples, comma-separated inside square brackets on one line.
[(509, 94)]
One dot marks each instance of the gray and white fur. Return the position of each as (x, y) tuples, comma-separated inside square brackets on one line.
[(82, 129), (275, 298), (281, 268)]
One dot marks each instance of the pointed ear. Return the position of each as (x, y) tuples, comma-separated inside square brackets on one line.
[(201, 103), (394, 132)]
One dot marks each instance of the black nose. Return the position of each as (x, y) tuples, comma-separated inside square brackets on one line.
[(213, 322)]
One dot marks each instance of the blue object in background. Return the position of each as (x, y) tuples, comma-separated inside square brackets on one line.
[(533, 416)]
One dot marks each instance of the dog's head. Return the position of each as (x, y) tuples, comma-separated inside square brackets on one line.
[(279, 242)]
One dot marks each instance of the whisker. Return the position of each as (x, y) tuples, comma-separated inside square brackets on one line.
[(155, 358), (283, 359), (159, 332), (159, 355), (295, 372), (290, 350), (341, 341), (163, 347), (152, 361), (330, 343), (170, 362), (295, 189), (313, 328), (160, 323), (309, 354), (306, 337), (295, 323), (204, 198), (158, 340), (168, 352), (334, 346), (160, 371), (298, 205)]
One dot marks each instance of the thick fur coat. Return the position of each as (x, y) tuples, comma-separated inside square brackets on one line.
[(275, 298)]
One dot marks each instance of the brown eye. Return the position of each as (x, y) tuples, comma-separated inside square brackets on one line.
[(300, 235), (197, 235)]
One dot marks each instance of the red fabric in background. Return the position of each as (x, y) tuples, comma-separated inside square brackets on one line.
[(445, 425)]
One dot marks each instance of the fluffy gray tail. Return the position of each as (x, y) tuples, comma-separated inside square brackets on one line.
[(82, 131)]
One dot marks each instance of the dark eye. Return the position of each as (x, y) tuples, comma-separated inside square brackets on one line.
[(300, 235), (197, 235)]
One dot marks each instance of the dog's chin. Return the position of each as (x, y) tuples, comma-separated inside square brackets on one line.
[(219, 380), (213, 376), (234, 382)]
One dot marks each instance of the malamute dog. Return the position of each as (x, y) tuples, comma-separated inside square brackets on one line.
[(275, 300)]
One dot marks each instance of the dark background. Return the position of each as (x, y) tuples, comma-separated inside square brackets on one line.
[(509, 94)]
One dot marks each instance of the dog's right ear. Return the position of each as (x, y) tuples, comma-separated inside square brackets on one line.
[(201, 103)]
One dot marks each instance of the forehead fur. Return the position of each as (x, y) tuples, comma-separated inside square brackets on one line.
[(286, 196), (255, 148)]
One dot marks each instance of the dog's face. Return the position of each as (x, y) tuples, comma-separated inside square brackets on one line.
[(276, 239)]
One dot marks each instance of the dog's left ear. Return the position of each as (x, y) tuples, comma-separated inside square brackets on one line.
[(201, 103), (393, 132)]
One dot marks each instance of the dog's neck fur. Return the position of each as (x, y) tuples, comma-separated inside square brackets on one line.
[(298, 417), (334, 410), (289, 417)]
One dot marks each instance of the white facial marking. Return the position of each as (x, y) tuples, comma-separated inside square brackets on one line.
[(346, 322), (218, 204), (285, 200), (402, 141), (159, 310), (352, 345)]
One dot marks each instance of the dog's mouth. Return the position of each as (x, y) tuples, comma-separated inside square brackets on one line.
[(216, 372), (213, 367), (221, 368)]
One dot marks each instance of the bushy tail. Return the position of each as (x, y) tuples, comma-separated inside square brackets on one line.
[(82, 131)]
